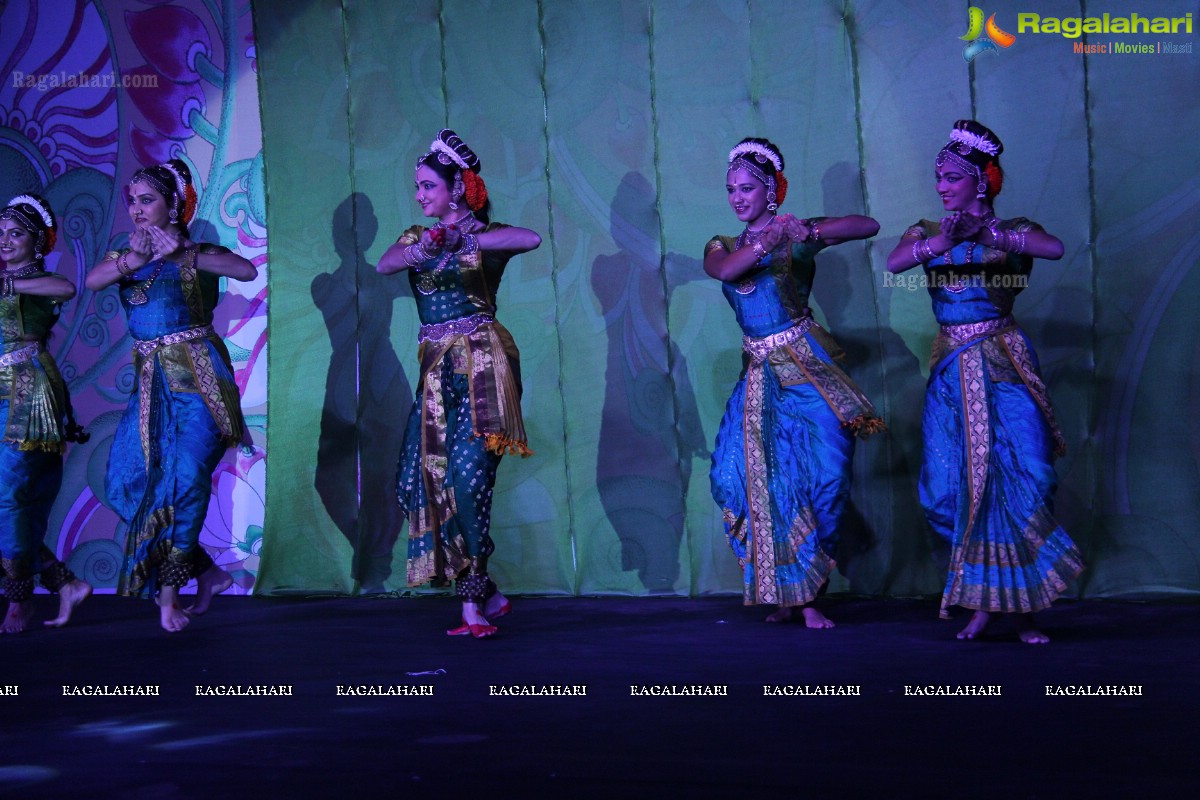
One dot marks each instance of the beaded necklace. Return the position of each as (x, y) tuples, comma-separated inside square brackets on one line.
[(427, 283), (748, 237), (24, 271)]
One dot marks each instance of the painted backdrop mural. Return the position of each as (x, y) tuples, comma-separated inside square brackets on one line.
[(92, 91)]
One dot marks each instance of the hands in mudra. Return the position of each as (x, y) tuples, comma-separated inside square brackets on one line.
[(439, 239), (785, 227), (165, 241), (139, 242), (154, 242), (961, 226)]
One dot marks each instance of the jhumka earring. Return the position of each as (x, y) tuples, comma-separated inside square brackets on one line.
[(457, 191)]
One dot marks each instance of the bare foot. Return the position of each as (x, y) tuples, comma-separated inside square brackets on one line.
[(815, 619), (212, 581), (173, 618), (497, 606), (1029, 634), (974, 629), (18, 617), (70, 595)]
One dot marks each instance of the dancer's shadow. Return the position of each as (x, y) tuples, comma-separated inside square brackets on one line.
[(650, 426), (892, 553), (367, 397)]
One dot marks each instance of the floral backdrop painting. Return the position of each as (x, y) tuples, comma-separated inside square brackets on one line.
[(92, 91)]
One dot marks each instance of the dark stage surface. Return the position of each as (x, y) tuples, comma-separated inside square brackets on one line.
[(317, 743)]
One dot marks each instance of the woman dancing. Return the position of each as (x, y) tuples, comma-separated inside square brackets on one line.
[(36, 412), (987, 481), (184, 411), (467, 412), (781, 465)]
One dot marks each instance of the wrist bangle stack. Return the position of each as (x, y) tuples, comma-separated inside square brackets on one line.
[(1015, 241), (1008, 241), (123, 265), (999, 238), (414, 255), (814, 233), (922, 251)]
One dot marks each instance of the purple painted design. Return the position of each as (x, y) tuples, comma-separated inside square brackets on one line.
[(170, 38), (167, 106), (60, 89), (151, 149)]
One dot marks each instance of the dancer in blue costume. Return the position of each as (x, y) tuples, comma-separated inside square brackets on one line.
[(781, 465), (987, 481), (467, 412), (35, 411), (184, 411)]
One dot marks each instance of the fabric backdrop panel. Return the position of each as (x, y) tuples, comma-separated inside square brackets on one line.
[(1146, 173), (605, 127), (313, 509), (623, 465), (706, 86)]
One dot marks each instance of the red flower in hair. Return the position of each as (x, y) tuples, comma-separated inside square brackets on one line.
[(51, 238), (189, 204), (474, 192), (781, 185), (995, 178)]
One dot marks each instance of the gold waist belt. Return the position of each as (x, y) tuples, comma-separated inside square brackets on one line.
[(145, 347), (759, 349), (976, 330), (21, 355)]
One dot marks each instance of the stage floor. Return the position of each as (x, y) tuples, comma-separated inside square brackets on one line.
[(504, 716)]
